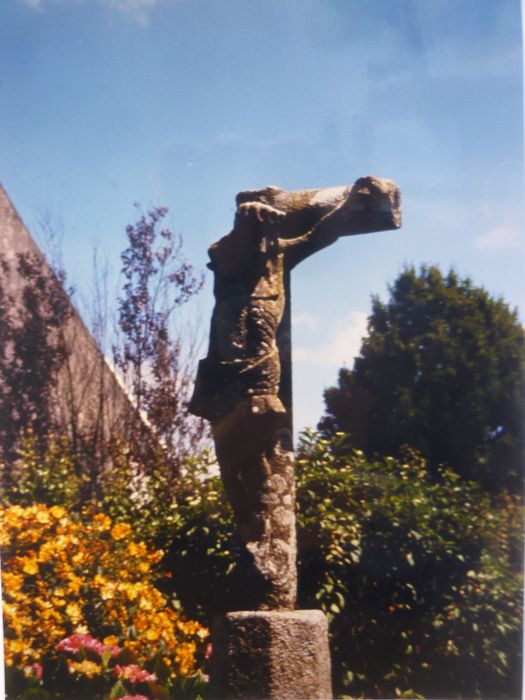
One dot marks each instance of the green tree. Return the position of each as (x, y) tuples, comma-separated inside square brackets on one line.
[(442, 370)]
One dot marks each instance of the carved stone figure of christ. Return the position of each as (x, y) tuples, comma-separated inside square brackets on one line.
[(243, 386)]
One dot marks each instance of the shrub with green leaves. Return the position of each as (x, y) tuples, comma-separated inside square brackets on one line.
[(51, 476), (420, 577), (185, 515), (201, 543)]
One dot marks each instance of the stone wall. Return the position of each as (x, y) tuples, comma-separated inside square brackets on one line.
[(87, 397)]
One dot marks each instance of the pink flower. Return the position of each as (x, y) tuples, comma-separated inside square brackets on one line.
[(77, 641), (38, 670), (35, 669), (133, 673)]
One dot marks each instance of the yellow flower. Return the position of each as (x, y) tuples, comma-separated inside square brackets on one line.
[(43, 604), (132, 590), (42, 517), (78, 556), (74, 584), (152, 635), (15, 645), (146, 604), (107, 590), (74, 612), (57, 512), (13, 515), (137, 549), (46, 552), (101, 522), (120, 530), (86, 667), (30, 567), (12, 582)]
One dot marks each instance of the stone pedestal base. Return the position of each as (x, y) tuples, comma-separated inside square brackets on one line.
[(267, 655)]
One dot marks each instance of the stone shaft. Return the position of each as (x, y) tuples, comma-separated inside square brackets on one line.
[(271, 656), (259, 478)]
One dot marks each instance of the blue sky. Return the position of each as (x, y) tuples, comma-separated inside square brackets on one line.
[(183, 103)]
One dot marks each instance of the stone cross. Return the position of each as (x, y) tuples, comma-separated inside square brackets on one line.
[(243, 386)]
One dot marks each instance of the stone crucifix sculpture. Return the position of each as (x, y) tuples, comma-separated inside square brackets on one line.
[(243, 386)]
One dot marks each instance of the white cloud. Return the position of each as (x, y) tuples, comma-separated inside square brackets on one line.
[(135, 10), (341, 346), (305, 320), (500, 238), (473, 62), (42, 4)]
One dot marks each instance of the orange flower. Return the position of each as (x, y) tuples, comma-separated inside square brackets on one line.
[(86, 668), (58, 512), (74, 612), (120, 531), (52, 558), (42, 516), (30, 567)]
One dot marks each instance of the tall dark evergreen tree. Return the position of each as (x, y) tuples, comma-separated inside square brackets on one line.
[(442, 370)]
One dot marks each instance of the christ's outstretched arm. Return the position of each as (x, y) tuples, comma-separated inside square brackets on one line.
[(369, 205)]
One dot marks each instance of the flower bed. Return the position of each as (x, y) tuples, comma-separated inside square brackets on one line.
[(81, 606)]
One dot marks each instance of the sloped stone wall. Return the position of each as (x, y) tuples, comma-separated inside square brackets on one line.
[(87, 397)]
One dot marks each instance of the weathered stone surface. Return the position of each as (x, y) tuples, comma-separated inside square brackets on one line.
[(271, 655), (243, 386), (87, 398)]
